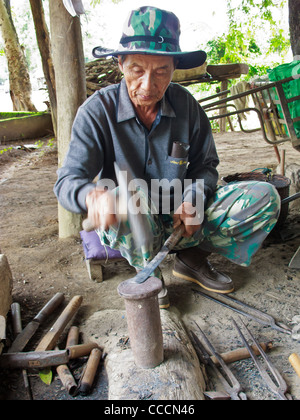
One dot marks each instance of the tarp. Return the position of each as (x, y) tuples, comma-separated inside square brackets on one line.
[(291, 88)]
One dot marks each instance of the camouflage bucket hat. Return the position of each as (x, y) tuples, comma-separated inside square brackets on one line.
[(149, 30)]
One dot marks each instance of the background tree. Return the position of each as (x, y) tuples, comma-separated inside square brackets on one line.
[(294, 21), (43, 40), (254, 36), (19, 79)]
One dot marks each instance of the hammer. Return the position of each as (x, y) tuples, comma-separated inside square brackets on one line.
[(127, 196)]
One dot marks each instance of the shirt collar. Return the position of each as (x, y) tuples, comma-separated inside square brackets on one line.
[(125, 109)]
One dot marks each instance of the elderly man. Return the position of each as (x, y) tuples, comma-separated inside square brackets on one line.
[(158, 131)]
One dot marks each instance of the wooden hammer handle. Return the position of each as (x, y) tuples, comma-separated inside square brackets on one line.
[(240, 354), (50, 339), (295, 362)]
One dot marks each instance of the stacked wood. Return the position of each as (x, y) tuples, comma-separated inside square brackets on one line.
[(105, 72), (101, 73), (190, 76), (227, 71)]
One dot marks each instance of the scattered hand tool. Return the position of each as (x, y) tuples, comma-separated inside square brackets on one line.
[(291, 198), (89, 373), (2, 332), (17, 329), (15, 310), (231, 384), (146, 272), (43, 359), (33, 359), (257, 315), (294, 360), (296, 328), (241, 354), (23, 338), (129, 206), (50, 339), (295, 261), (63, 371), (279, 386)]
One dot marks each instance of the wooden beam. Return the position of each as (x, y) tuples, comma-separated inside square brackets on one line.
[(69, 67)]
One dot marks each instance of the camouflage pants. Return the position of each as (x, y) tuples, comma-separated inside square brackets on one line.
[(237, 220)]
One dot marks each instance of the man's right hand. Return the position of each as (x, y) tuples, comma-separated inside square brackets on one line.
[(101, 209)]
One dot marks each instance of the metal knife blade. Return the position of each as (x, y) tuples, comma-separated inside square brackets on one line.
[(27, 333), (144, 274)]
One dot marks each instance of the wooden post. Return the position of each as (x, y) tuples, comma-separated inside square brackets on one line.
[(224, 86), (68, 58)]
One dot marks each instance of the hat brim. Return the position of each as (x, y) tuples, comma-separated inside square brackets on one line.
[(186, 60)]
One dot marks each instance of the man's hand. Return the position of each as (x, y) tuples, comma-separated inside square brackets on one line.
[(187, 215), (101, 209)]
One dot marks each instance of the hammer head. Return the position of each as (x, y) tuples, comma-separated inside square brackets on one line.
[(133, 207)]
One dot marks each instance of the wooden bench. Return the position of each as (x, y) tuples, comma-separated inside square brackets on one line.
[(97, 255), (276, 129)]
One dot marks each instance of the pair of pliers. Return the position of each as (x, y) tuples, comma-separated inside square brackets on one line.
[(279, 386), (232, 386)]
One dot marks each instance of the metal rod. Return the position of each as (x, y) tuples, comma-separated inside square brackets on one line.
[(268, 319), (291, 198), (280, 388), (33, 359)]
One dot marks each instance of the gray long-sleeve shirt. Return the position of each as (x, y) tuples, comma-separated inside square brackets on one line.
[(107, 130)]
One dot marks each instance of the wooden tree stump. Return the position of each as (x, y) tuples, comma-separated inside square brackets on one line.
[(179, 377), (6, 282)]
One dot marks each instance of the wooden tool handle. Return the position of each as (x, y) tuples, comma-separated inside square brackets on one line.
[(81, 350), (73, 337), (90, 371), (50, 339), (295, 362), (175, 237), (49, 307), (16, 318), (63, 371), (242, 353)]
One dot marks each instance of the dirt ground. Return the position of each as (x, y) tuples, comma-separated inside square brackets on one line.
[(43, 265)]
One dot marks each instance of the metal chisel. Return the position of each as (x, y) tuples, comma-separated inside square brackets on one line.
[(146, 272), (23, 338)]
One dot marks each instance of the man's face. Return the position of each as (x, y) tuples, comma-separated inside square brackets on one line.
[(147, 77)]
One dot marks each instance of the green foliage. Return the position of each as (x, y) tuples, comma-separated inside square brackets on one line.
[(279, 43), (254, 36), (96, 2), (5, 150), (250, 24), (46, 375)]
